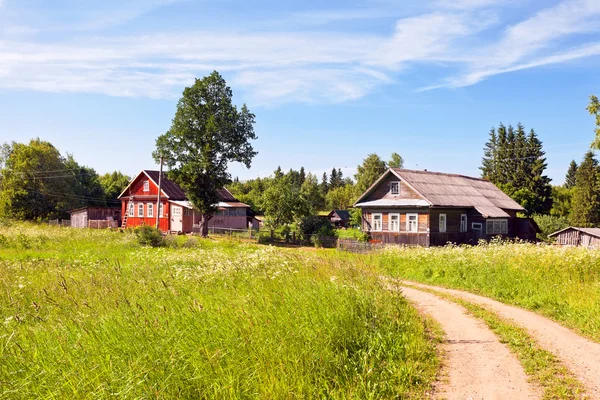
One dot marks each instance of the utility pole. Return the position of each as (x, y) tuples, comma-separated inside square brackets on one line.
[(159, 189)]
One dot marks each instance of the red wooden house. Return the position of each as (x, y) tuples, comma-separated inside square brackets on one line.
[(432, 208), (176, 213)]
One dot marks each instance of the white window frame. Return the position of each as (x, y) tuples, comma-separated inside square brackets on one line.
[(146, 186), (373, 225), (161, 209), (442, 227), (150, 209), (408, 217), (397, 184), (477, 226), (131, 211), (496, 227), (391, 226), (464, 224), (177, 211), (140, 207)]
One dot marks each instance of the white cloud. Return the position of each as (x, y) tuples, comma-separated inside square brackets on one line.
[(467, 36)]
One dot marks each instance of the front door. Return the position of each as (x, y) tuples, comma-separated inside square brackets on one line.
[(176, 218), (477, 228)]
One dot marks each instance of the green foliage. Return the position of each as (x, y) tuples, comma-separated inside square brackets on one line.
[(282, 203), (515, 162), (549, 224), (310, 191), (594, 109), (208, 132), (113, 184), (341, 198), (561, 201), (149, 236), (586, 197), (368, 172), (571, 176), (356, 217), (313, 225), (96, 315), (352, 233), (396, 161)]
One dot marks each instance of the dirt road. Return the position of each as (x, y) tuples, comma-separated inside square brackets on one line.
[(580, 355), (477, 365)]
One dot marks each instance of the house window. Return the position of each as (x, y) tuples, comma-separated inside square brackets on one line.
[(131, 208), (442, 222), (394, 222), (150, 210), (176, 210), (463, 222), (412, 222), (477, 226), (377, 222), (140, 209), (160, 210), (395, 188), (146, 186), (496, 226)]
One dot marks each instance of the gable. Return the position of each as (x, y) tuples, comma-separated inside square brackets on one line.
[(136, 187), (382, 190)]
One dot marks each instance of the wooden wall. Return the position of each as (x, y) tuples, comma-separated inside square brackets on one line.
[(573, 237), (383, 191), (423, 218), (132, 222)]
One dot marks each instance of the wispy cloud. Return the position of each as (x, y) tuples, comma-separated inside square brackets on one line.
[(465, 38)]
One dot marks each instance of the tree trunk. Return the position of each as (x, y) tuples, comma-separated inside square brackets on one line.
[(204, 224)]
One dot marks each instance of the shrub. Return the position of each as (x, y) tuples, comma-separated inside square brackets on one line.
[(149, 236), (549, 224), (314, 225), (355, 234)]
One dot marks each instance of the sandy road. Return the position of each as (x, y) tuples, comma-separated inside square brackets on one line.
[(580, 355), (477, 365)]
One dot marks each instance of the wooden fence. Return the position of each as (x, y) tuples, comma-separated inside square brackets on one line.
[(102, 224), (355, 246), (60, 222)]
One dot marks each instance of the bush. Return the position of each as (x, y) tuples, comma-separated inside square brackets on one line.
[(355, 234), (314, 225), (549, 224), (149, 236)]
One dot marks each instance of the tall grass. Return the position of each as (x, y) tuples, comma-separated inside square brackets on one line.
[(562, 283), (92, 314)]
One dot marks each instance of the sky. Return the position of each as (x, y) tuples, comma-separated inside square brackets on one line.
[(329, 82)]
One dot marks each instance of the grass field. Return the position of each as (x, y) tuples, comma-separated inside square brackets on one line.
[(92, 314), (561, 283)]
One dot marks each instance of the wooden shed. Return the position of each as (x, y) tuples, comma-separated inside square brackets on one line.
[(573, 236), (96, 217)]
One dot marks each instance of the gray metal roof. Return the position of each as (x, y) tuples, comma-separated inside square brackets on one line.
[(590, 231), (452, 190)]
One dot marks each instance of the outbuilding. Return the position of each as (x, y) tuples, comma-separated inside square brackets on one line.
[(574, 236), (96, 217)]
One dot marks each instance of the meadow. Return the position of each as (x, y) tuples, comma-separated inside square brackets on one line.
[(561, 283), (94, 314)]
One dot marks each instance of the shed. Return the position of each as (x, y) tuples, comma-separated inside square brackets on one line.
[(339, 218), (96, 217), (574, 236)]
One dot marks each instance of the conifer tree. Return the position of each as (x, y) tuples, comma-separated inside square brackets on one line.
[(586, 199), (333, 180), (571, 175), (324, 184), (302, 175)]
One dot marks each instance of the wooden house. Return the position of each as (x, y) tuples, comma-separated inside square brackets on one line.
[(573, 236), (339, 218), (96, 217), (432, 208), (175, 212)]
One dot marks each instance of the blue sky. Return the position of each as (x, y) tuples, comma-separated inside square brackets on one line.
[(329, 82)]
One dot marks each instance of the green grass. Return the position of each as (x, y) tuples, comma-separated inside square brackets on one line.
[(561, 283), (556, 381), (92, 314)]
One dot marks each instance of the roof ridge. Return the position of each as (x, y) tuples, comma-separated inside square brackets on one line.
[(400, 170)]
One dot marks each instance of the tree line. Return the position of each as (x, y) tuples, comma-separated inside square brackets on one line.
[(285, 198), (37, 182)]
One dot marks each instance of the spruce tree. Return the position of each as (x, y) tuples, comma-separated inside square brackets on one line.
[(302, 175), (571, 175), (324, 184), (586, 199), (333, 181)]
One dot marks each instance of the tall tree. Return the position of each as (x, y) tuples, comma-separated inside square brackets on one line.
[(208, 132), (312, 195), (113, 184), (594, 109), (396, 161), (324, 184), (341, 198), (515, 162), (36, 184), (570, 178), (283, 204), (302, 175), (369, 171), (333, 180), (86, 184), (586, 199)]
